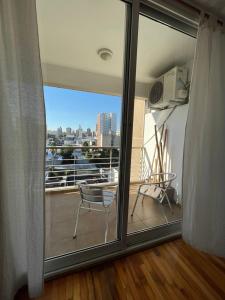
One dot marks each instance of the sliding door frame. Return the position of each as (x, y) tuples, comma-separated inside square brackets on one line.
[(138, 240), (187, 26), (63, 263)]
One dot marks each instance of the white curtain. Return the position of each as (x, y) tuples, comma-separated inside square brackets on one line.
[(22, 148), (204, 154)]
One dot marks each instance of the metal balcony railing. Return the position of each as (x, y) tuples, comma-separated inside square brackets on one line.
[(67, 166)]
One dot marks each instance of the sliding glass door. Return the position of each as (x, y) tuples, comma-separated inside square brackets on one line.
[(164, 63), (101, 145), (82, 53)]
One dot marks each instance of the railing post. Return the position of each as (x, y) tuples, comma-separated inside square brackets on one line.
[(52, 159), (74, 177), (110, 162), (142, 164)]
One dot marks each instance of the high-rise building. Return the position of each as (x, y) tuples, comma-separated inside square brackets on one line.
[(80, 132), (68, 131), (105, 128), (89, 132), (59, 131), (106, 123)]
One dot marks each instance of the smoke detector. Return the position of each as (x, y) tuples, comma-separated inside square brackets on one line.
[(105, 54)]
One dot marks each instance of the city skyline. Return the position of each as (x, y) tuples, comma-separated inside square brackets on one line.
[(72, 129), (70, 108)]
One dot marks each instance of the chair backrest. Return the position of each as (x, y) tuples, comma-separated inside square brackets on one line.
[(163, 178), (90, 194)]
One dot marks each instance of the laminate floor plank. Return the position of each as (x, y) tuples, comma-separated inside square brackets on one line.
[(171, 271)]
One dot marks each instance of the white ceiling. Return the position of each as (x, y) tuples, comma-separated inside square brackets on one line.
[(216, 7), (72, 31), (160, 48)]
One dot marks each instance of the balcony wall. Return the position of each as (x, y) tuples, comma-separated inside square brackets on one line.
[(175, 145), (137, 140)]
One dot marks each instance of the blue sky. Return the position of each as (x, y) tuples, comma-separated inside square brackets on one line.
[(69, 108)]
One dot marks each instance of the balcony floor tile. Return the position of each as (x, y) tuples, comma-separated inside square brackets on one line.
[(61, 208)]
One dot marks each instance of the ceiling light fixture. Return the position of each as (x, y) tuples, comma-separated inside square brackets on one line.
[(105, 54)]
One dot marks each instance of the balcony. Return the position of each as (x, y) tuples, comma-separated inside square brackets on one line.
[(66, 167)]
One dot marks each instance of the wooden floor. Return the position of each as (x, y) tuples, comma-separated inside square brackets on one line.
[(170, 271)]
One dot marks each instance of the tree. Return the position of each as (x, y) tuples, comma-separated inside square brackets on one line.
[(85, 149), (67, 153), (115, 157)]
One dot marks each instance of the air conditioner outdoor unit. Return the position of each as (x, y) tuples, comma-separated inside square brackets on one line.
[(169, 89)]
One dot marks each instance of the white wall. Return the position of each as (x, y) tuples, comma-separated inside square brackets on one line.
[(176, 130), (137, 139)]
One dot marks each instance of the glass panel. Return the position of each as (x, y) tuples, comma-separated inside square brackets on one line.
[(81, 44), (164, 62)]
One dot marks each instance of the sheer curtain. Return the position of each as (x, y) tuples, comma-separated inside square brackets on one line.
[(204, 154), (22, 150)]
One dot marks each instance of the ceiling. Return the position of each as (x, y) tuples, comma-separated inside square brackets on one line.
[(72, 31), (216, 7), (160, 48)]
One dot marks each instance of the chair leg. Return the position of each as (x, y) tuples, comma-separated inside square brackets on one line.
[(77, 219), (162, 208), (135, 205), (168, 201), (107, 212), (166, 219)]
